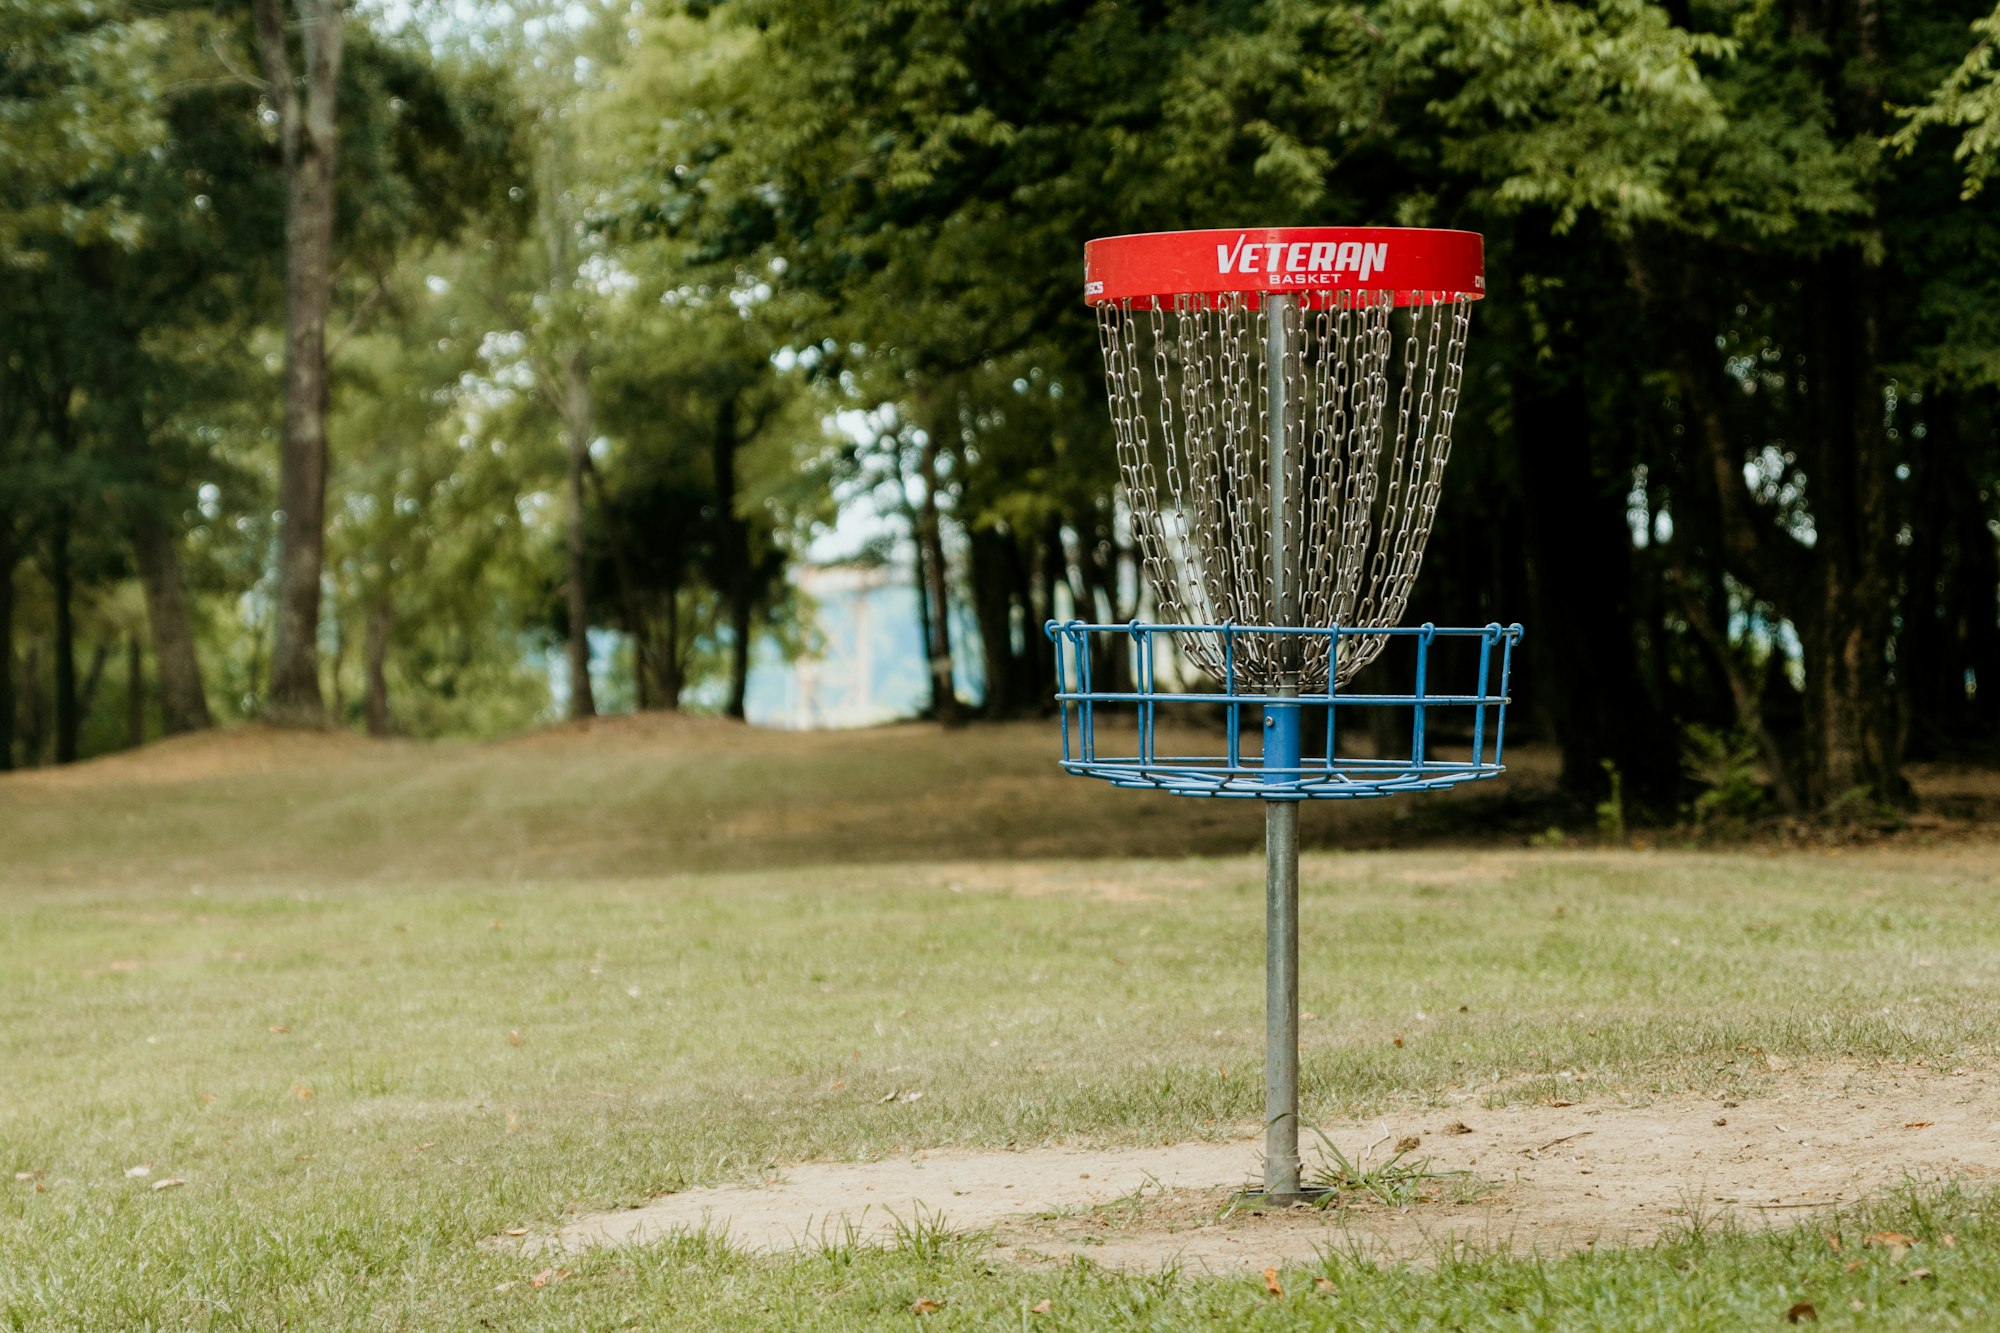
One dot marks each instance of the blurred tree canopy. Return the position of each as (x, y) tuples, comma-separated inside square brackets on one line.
[(629, 299)]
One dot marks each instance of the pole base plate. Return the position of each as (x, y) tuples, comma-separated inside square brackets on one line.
[(1307, 1196)]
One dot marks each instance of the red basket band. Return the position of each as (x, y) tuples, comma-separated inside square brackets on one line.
[(1413, 262)]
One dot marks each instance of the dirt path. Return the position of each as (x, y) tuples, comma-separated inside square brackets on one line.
[(1545, 1178)]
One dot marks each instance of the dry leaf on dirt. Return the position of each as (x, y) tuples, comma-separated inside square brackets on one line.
[(1918, 1124), (1271, 1282), (1408, 1143), (1458, 1127), (1802, 1312), (927, 1306), (1041, 1307), (547, 1276)]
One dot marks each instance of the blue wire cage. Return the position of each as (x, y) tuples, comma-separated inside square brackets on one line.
[(1443, 736)]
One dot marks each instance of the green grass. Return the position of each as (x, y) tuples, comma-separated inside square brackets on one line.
[(680, 1028)]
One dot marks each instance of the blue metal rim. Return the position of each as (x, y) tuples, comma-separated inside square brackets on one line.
[(1281, 772)]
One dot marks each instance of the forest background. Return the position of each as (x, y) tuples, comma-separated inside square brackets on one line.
[(361, 360)]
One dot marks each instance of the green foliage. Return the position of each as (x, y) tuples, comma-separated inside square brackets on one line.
[(80, 92), (1726, 765), (1968, 99)]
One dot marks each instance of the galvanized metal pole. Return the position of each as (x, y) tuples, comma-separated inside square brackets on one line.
[(1281, 817)]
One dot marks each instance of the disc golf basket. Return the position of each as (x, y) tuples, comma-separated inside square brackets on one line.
[(1283, 401)]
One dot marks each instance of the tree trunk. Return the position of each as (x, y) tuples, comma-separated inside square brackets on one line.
[(7, 561), (732, 542), (86, 695), (375, 652), (35, 736), (307, 132), (1854, 737), (577, 428), (135, 692), (930, 536), (1580, 552), (993, 608), (673, 668), (183, 702), (61, 587)]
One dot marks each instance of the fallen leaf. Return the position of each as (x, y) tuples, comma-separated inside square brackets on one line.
[(1889, 1240), (168, 1183), (504, 1286), (927, 1306), (1555, 1101), (1802, 1312), (517, 1231), (1852, 1266), (1949, 1241), (208, 1099), (1271, 1282), (547, 1276), (837, 1085), (887, 1098), (1917, 1124), (496, 925), (27, 1175), (1041, 1307), (1458, 1127), (1721, 1120), (421, 1146), (1323, 1285), (514, 1038), (1397, 1042), (279, 1029), (137, 1172), (1855, 1306), (1833, 1242), (302, 1092), (1408, 1143), (1917, 1275)]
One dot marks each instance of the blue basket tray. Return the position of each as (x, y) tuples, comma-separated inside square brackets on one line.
[(1114, 734)]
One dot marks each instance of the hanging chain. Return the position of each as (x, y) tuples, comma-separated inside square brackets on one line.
[(1361, 499)]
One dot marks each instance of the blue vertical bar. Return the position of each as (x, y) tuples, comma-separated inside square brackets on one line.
[(1229, 688), (1506, 671), (1479, 710), (1086, 722), (1332, 684), (1423, 666), (1056, 637)]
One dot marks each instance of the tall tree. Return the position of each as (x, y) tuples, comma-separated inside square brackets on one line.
[(306, 103)]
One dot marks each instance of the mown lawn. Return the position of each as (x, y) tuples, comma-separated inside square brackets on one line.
[(364, 1067)]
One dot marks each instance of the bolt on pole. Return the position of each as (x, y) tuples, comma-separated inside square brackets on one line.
[(1281, 817)]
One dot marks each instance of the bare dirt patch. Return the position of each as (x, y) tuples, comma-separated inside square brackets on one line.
[(1546, 1178)]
